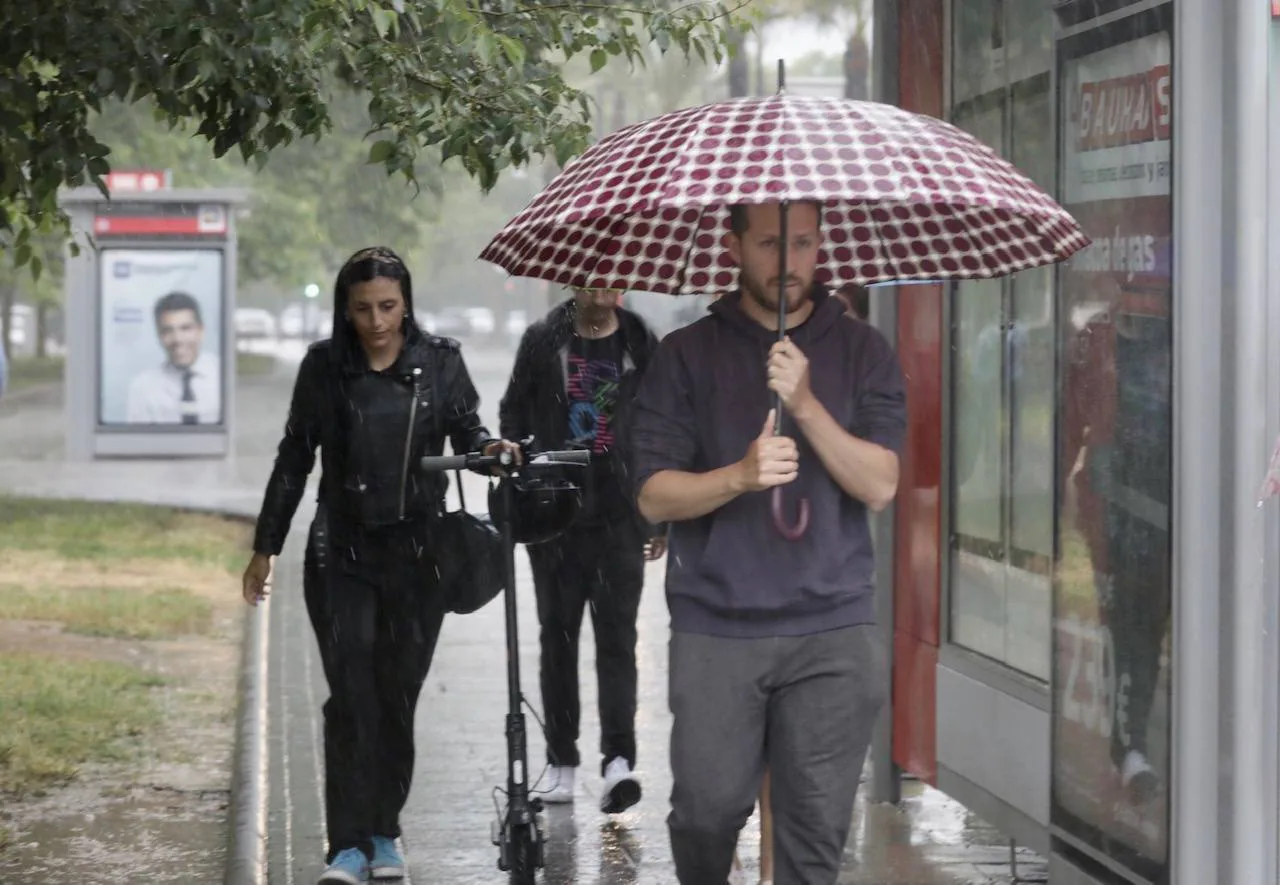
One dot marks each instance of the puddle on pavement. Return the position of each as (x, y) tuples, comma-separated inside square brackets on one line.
[(930, 839), (90, 835)]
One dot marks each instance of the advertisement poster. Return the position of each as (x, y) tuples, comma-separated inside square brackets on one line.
[(1112, 597), (160, 337)]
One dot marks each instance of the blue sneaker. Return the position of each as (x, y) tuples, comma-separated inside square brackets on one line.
[(387, 862), (349, 867)]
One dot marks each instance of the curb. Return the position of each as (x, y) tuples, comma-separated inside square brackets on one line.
[(247, 837)]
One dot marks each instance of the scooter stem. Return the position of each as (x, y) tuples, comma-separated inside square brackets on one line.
[(517, 749)]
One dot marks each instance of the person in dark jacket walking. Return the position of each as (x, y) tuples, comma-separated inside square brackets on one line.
[(374, 398), (574, 377), (774, 659)]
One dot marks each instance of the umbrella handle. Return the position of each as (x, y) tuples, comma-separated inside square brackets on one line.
[(790, 532)]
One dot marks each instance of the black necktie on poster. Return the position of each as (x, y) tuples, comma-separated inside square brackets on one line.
[(188, 396)]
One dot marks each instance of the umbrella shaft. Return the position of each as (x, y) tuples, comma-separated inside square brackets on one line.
[(784, 243)]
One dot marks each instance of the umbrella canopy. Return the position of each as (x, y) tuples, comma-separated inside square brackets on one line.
[(905, 196)]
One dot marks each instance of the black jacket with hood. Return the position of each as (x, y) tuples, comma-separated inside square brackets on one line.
[(536, 402), (371, 428)]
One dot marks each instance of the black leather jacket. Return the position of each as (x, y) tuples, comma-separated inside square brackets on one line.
[(371, 428)]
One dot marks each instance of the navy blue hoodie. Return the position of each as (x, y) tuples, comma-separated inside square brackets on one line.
[(700, 405)]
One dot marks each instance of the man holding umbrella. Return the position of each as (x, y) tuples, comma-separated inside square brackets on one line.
[(774, 659), (573, 381)]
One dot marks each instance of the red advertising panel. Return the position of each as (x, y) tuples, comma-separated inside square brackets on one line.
[(1112, 595), (160, 220)]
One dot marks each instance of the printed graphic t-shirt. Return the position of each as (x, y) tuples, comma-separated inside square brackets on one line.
[(594, 371)]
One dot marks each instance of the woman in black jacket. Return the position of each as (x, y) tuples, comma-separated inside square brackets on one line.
[(374, 398)]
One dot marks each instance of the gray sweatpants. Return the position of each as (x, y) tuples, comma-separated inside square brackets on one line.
[(803, 705)]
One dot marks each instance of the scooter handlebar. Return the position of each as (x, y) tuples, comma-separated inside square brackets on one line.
[(480, 462)]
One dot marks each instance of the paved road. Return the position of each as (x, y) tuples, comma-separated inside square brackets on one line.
[(928, 840)]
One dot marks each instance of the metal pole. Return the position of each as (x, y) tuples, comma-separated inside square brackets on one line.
[(1253, 599), (1197, 452), (886, 777)]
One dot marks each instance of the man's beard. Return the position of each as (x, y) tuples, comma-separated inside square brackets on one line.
[(765, 294)]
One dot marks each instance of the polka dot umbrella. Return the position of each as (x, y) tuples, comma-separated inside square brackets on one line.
[(904, 197)]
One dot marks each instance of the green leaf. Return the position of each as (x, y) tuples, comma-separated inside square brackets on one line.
[(381, 151), (384, 21), (513, 50), (599, 58), (485, 46)]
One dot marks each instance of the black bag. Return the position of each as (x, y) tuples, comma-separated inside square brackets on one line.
[(469, 556), (469, 553)]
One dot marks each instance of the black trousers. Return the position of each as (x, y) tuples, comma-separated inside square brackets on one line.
[(601, 566), (1135, 601), (376, 620)]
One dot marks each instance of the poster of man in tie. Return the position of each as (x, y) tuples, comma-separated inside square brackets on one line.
[(160, 334)]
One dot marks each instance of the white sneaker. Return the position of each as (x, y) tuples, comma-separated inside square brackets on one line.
[(737, 875), (559, 785), (1138, 777), (621, 787)]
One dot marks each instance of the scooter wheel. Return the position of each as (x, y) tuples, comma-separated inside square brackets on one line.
[(524, 856)]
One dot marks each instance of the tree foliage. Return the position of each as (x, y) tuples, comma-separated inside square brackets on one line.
[(479, 80), (309, 202)]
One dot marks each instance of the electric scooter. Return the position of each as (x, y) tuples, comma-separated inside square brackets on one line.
[(517, 832)]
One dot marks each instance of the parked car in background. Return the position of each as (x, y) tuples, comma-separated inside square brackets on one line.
[(666, 313), (254, 322), (22, 330), (451, 322), (513, 329), (292, 321), (483, 322)]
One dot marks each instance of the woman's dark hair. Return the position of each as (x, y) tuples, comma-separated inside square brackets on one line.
[(373, 263)]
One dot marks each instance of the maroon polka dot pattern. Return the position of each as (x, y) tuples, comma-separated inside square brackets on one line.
[(905, 197)]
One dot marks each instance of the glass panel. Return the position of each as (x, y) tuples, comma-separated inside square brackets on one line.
[(1032, 346), (1029, 24), (978, 593), (977, 49), (1112, 598)]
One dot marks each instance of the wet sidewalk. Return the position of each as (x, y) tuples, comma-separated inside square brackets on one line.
[(928, 840)]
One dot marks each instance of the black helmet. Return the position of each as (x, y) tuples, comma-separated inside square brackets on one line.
[(545, 501)]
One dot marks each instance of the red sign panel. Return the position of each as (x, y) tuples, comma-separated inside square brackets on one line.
[(1125, 110), (205, 220)]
